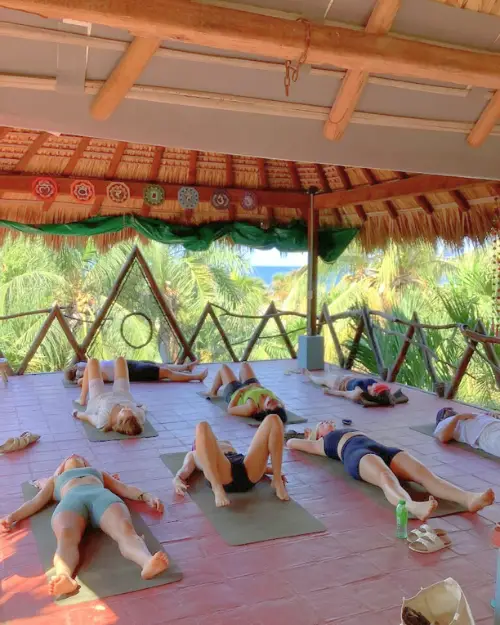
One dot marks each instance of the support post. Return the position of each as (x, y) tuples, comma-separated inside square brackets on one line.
[(311, 346), (393, 374)]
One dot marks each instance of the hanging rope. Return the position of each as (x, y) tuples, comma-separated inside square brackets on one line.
[(292, 71)]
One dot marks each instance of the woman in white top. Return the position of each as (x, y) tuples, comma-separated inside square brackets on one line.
[(479, 430), (111, 410)]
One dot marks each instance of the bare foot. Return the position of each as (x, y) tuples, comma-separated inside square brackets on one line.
[(478, 501), (280, 488), (221, 499), (203, 375), (423, 509), (190, 366), (156, 565), (62, 585)]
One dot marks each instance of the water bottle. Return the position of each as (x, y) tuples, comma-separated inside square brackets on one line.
[(402, 520)]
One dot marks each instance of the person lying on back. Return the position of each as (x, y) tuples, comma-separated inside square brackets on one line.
[(480, 430)]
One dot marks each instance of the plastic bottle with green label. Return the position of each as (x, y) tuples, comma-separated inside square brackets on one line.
[(402, 520)]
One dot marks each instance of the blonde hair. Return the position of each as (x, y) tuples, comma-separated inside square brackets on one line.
[(129, 426)]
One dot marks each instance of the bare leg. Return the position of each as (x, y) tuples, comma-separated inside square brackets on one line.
[(177, 375), (246, 372), (223, 377), (92, 372), (373, 470), (117, 524), (121, 369), (84, 392), (188, 366), (214, 464), (68, 527), (408, 468), (268, 441)]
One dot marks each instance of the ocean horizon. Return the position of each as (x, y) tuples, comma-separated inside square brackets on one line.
[(267, 273)]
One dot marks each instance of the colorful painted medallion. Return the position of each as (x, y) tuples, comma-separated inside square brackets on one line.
[(44, 188), (220, 199), (118, 192), (188, 198), (249, 201), (82, 190), (154, 194)]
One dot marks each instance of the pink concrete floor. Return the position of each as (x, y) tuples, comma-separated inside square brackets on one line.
[(356, 573)]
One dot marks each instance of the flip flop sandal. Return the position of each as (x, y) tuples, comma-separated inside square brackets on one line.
[(422, 531), (429, 543)]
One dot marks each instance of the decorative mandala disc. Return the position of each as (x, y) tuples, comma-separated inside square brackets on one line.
[(154, 194), (249, 201), (220, 200), (188, 198), (82, 190), (44, 188), (118, 192)]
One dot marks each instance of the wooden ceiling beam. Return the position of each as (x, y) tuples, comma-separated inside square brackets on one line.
[(124, 76), (229, 171), (76, 156), (424, 204), (263, 180), (353, 83), (22, 183), (486, 122), (460, 200), (294, 175), (121, 146), (154, 172), (193, 162), (390, 207), (31, 151), (346, 181), (325, 186), (415, 185), (236, 30)]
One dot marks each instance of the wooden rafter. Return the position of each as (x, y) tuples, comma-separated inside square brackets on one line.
[(229, 171), (264, 35), (123, 77), (116, 158), (193, 160), (76, 156), (353, 84), (390, 207), (460, 200), (486, 122), (263, 180), (31, 151), (294, 175), (346, 181), (415, 185)]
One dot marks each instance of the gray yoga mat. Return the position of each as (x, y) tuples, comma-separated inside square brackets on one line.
[(252, 517), (417, 492), (429, 428), (221, 403), (103, 571), (98, 436)]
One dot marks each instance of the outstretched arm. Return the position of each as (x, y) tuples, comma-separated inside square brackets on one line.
[(317, 448), (131, 492), (447, 433), (247, 410), (353, 395), (184, 473), (39, 501)]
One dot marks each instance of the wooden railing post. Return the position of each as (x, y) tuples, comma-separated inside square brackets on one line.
[(325, 314), (355, 344), (196, 331), (436, 385), (452, 389), (256, 333), (223, 335), (393, 374), (372, 339), (282, 331), (490, 354), (42, 333)]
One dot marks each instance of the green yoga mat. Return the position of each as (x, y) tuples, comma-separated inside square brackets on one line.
[(429, 428), (417, 492), (252, 517), (103, 571), (221, 403), (98, 436)]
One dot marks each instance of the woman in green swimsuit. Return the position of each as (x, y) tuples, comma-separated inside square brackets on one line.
[(84, 494), (246, 397)]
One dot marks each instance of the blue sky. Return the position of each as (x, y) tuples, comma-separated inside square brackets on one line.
[(274, 258)]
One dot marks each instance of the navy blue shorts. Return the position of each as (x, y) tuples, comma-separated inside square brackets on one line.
[(231, 388), (358, 447), (143, 371), (363, 383)]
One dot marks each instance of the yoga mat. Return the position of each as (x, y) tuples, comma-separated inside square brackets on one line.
[(252, 517), (429, 428), (103, 571), (417, 492), (221, 403), (98, 436), (398, 400)]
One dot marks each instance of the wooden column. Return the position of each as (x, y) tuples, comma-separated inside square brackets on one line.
[(312, 265)]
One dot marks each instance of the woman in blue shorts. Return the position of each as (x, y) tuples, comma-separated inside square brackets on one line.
[(367, 460), (86, 494)]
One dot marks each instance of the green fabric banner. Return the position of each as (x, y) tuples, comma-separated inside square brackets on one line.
[(290, 238)]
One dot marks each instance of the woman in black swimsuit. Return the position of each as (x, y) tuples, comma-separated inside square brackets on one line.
[(231, 472), (367, 460)]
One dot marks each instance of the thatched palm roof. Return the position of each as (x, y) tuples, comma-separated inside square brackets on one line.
[(383, 204)]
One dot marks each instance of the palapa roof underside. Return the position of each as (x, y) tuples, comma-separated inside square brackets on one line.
[(385, 205)]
